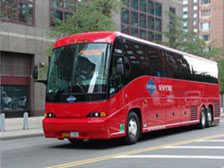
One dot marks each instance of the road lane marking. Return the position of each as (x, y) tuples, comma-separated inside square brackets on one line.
[(132, 152), (193, 147), (212, 140), (169, 157)]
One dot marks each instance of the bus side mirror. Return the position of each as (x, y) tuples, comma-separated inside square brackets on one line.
[(35, 72), (120, 66)]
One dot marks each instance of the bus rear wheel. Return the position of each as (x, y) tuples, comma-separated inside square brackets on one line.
[(209, 117), (203, 121), (132, 128)]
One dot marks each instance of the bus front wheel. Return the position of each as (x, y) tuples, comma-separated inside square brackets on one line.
[(132, 128)]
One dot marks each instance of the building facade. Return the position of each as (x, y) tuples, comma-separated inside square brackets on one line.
[(148, 19), (206, 19), (24, 40)]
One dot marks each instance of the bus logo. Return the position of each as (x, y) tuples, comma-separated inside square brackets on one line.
[(151, 87), (71, 99)]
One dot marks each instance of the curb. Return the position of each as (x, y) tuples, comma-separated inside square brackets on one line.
[(21, 136)]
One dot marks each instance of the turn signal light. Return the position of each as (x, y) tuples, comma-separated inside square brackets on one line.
[(97, 114)]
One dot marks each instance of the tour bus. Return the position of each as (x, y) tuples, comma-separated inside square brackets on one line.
[(104, 85)]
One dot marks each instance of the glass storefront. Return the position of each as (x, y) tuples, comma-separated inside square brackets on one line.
[(14, 98)]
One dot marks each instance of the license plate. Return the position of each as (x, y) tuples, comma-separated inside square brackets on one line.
[(74, 134)]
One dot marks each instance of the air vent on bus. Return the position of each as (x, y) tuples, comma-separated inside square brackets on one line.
[(193, 113), (217, 109)]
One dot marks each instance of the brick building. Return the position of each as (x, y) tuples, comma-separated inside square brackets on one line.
[(206, 18)]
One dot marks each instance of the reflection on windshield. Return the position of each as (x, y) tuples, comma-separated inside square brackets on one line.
[(80, 68)]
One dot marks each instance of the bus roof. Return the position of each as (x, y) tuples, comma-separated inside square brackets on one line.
[(109, 37)]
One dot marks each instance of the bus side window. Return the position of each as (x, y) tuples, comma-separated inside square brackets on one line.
[(116, 79), (156, 62), (134, 60)]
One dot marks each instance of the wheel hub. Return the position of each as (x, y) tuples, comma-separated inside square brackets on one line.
[(132, 128)]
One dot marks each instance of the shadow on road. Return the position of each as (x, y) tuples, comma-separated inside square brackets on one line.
[(113, 143)]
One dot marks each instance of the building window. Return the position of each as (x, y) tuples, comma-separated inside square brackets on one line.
[(134, 4), (205, 26), (134, 19), (195, 22), (60, 10), (142, 18), (143, 34), (143, 5), (14, 98), (206, 37), (185, 2), (195, 30), (185, 9), (158, 25), (185, 16), (151, 7), (18, 11), (142, 21), (151, 23), (205, 13), (205, 1), (125, 16), (158, 9), (195, 8), (195, 15), (125, 29)]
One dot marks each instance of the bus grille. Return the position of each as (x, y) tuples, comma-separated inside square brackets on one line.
[(217, 109), (193, 113)]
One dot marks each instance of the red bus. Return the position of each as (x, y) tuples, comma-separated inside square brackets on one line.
[(104, 85)]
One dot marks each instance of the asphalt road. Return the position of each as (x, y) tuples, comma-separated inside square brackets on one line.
[(176, 148)]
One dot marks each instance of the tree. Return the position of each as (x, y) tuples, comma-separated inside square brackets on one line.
[(8, 10), (221, 75), (189, 41), (89, 16)]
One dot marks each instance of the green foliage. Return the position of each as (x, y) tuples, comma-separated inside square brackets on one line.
[(221, 75), (189, 41), (88, 16)]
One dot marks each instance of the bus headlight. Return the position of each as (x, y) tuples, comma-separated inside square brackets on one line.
[(51, 115), (97, 114)]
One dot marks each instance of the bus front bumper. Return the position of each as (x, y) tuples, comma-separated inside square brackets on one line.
[(76, 128)]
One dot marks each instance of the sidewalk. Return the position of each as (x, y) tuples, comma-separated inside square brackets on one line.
[(14, 128)]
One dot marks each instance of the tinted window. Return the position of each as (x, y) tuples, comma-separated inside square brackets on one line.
[(134, 60), (177, 66), (156, 62), (116, 79), (202, 70), (190, 68)]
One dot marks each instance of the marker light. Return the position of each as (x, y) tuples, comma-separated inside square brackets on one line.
[(97, 114)]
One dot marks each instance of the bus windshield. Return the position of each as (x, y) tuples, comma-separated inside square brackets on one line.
[(79, 69)]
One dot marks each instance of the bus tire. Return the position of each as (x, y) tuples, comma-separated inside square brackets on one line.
[(203, 121), (132, 128), (209, 117)]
